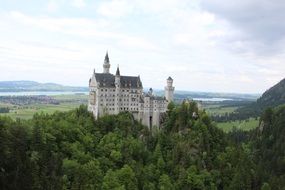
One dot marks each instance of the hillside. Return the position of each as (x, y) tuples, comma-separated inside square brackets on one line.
[(269, 145), (273, 97), (26, 86), (69, 150)]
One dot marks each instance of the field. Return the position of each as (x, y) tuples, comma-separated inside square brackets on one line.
[(217, 108), (66, 103), (245, 125)]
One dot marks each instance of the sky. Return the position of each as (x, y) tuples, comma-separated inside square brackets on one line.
[(204, 45)]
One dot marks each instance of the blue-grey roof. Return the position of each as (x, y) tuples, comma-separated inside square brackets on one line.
[(108, 80)]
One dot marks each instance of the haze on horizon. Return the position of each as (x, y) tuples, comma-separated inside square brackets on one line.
[(204, 45)]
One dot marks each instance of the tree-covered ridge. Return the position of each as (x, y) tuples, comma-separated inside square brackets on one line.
[(30, 86), (271, 98), (69, 150), (269, 146)]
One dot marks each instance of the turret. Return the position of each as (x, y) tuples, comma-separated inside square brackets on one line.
[(169, 89), (117, 78), (106, 65), (117, 85), (150, 92), (92, 79)]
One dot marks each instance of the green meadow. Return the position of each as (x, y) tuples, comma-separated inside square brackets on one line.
[(244, 125), (69, 102), (66, 103)]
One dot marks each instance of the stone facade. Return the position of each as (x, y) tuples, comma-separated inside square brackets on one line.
[(111, 94)]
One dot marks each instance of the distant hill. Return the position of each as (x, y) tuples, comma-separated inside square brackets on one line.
[(180, 95), (26, 86), (273, 97)]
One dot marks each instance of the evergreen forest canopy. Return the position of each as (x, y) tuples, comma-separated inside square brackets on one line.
[(69, 150)]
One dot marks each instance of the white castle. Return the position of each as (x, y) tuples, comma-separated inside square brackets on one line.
[(111, 94)]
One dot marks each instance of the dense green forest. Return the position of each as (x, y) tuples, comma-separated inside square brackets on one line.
[(69, 150)]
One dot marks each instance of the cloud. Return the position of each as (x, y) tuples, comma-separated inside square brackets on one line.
[(204, 46), (259, 23), (52, 6), (45, 45), (85, 28), (78, 3), (115, 8)]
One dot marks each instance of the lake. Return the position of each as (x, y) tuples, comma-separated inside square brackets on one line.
[(53, 93), (212, 99)]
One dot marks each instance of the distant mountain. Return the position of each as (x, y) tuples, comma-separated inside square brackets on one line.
[(26, 86), (273, 97)]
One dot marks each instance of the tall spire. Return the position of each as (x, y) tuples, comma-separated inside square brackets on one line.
[(107, 58), (118, 71), (106, 65)]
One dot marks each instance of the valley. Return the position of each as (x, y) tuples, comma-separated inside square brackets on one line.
[(24, 107)]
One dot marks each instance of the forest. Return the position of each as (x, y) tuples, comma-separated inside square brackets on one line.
[(70, 150)]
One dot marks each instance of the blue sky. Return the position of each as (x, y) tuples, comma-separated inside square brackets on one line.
[(204, 45)]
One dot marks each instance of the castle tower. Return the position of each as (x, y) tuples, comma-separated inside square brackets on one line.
[(106, 65), (93, 96), (169, 90), (118, 86)]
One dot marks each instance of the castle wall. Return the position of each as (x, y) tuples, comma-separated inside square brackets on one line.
[(112, 101), (108, 94)]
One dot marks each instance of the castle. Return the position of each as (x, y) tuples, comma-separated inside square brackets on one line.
[(111, 94)]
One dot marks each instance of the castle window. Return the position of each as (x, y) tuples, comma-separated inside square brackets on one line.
[(101, 90), (106, 89)]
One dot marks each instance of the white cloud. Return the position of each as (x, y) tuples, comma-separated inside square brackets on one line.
[(155, 39), (85, 28), (52, 6), (78, 3), (115, 8)]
